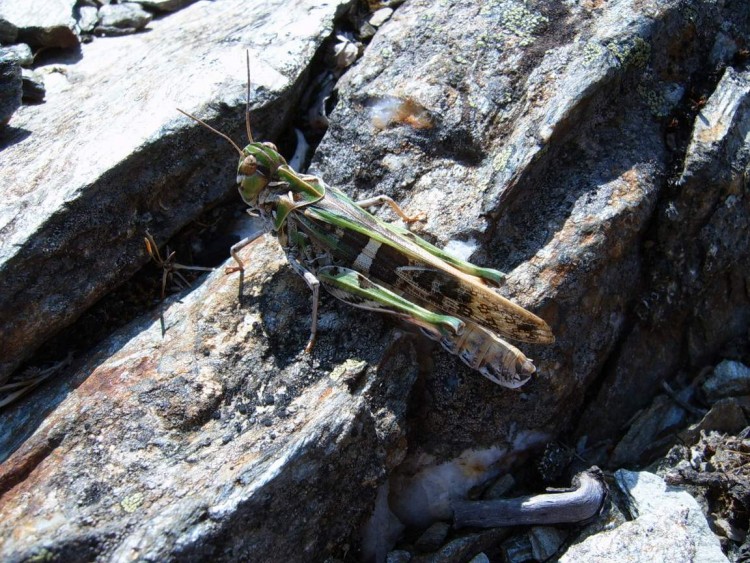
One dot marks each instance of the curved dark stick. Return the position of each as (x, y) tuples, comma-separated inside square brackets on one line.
[(582, 503)]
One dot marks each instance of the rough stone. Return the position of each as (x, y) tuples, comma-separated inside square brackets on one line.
[(165, 5), (11, 87), (433, 537), (534, 136), (33, 87), (651, 433), (121, 19), (8, 31), (69, 234), (20, 54), (693, 273), (47, 23), (88, 17), (145, 448), (546, 541), (729, 379), (668, 526), (726, 415)]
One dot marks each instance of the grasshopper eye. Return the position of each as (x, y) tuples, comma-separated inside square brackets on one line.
[(248, 166), (271, 146)]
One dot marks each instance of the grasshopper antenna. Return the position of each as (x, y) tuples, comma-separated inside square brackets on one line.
[(207, 126), (247, 101)]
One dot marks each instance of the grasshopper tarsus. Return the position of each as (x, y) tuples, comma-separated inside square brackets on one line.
[(310, 345)]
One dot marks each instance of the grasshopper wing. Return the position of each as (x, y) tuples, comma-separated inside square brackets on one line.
[(385, 254)]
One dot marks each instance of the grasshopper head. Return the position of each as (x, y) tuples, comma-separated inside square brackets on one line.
[(257, 167)]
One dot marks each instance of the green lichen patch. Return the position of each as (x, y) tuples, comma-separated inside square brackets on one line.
[(517, 19), (632, 52), (131, 503), (592, 52)]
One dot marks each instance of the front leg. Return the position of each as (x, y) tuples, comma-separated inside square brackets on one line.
[(234, 251), (381, 199), (314, 284)]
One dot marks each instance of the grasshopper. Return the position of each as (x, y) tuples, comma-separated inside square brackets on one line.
[(332, 241)]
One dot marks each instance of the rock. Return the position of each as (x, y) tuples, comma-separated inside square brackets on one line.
[(433, 537), (464, 548), (652, 433), (715, 471), (121, 19), (533, 134), (88, 17), (145, 165), (546, 541), (500, 488), (398, 556), (668, 526), (729, 379), (20, 54), (10, 89), (517, 549), (726, 415), (165, 5), (695, 263), (33, 87), (136, 441), (47, 23), (379, 17), (8, 31)]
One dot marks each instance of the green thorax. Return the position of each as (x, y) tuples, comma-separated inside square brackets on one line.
[(268, 184)]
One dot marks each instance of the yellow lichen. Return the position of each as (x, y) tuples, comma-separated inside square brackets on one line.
[(131, 503)]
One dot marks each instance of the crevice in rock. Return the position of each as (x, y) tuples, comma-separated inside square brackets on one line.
[(206, 240), (24, 466)]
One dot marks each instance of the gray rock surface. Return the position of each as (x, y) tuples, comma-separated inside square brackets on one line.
[(88, 17), (8, 31), (538, 138), (47, 23), (121, 19), (19, 53), (668, 526), (68, 234), (729, 379), (11, 88), (165, 5), (693, 263)]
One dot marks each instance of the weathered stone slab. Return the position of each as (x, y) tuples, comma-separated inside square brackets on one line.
[(198, 444), (108, 156), (10, 89), (47, 23), (667, 525), (121, 19), (531, 136), (694, 297)]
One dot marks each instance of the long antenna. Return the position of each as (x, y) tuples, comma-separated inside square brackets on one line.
[(247, 101), (207, 126)]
